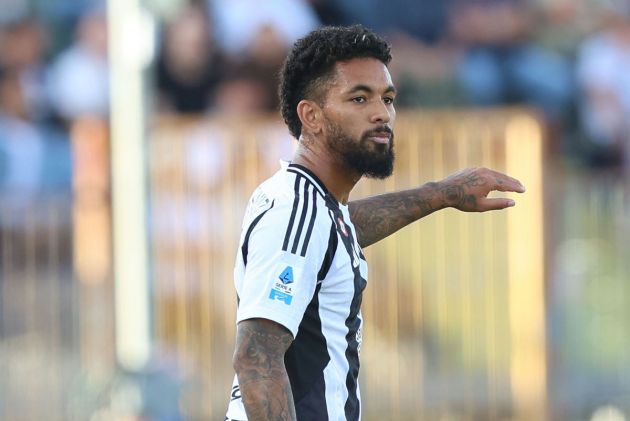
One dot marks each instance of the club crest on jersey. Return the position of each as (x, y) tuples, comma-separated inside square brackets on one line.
[(342, 226)]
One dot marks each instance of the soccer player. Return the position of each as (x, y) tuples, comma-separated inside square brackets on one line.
[(300, 270)]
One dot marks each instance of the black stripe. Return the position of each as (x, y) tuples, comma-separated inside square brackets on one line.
[(352, 406), (309, 231), (245, 245), (313, 406), (298, 233), (297, 169), (330, 253), (305, 361), (296, 200)]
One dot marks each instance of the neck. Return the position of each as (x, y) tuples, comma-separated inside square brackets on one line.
[(338, 179)]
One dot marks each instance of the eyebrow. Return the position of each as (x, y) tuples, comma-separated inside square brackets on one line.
[(366, 88)]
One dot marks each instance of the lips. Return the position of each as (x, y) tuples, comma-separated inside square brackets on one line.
[(380, 136)]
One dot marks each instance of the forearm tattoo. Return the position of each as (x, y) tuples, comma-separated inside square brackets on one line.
[(259, 363), (379, 216)]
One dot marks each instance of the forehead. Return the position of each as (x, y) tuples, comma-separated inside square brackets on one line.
[(361, 71)]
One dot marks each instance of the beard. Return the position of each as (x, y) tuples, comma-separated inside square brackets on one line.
[(370, 159)]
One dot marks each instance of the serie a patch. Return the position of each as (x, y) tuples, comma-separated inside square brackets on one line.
[(283, 288)]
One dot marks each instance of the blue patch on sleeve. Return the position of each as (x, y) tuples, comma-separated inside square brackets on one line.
[(287, 275), (278, 295)]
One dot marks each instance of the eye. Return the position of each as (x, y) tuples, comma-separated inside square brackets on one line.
[(359, 99), (388, 100)]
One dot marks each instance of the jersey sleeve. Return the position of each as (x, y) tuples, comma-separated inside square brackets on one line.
[(283, 251)]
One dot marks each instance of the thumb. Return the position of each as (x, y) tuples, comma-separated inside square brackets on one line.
[(486, 204)]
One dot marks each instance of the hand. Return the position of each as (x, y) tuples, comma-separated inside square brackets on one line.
[(467, 190)]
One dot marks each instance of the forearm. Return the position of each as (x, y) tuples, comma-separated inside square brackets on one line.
[(266, 396), (259, 364), (379, 216)]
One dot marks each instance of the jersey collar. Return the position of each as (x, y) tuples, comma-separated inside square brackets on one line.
[(309, 175)]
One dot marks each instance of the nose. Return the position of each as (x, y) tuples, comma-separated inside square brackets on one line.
[(382, 113)]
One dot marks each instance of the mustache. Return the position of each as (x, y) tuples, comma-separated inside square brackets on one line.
[(379, 130)]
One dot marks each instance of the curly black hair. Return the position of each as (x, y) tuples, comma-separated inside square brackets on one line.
[(310, 64)]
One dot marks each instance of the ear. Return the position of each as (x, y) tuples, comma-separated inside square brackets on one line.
[(310, 114)]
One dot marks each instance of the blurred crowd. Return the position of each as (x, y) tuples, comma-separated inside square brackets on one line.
[(566, 58)]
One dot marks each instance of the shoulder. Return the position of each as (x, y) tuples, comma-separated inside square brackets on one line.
[(290, 211), (274, 193)]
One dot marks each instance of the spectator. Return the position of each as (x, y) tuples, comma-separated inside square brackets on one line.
[(23, 48), (424, 60), (79, 77), (243, 91), (34, 153), (501, 64), (423, 20), (602, 68), (189, 66), (251, 83), (239, 21), (21, 144)]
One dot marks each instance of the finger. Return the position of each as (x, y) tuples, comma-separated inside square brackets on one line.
[(487, 204), (506, 183)]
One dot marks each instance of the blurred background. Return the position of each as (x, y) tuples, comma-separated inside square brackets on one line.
[(132, 133)]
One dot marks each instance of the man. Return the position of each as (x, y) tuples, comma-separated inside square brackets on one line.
[(300, 271)]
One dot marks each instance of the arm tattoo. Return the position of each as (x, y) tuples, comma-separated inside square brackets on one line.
[(259, 365), (379, 216)]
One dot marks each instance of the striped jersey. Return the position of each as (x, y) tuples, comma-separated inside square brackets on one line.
[(299, 264)]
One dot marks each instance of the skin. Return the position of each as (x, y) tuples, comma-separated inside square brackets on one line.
[(380, 216), (359, 100), (259, 365)]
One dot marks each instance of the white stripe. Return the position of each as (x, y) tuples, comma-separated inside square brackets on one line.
[(311, 179), (307, 219), (334, 402), (335, 330)]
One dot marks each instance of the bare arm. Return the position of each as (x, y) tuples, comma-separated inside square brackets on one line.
[(259, 364), (380, 216)]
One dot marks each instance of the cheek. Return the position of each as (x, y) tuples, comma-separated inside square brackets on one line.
[(392, 116), (347, 124)]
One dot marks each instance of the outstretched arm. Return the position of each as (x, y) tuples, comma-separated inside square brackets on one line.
[(262, 377), (377, 217)]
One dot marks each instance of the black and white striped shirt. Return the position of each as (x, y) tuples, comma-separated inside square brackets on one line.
[(299, 264)]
